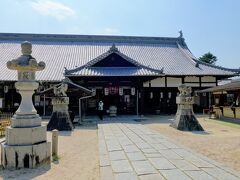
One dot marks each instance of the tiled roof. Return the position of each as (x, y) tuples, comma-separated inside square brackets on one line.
[(73, 51), (233, 86), (114, 71)]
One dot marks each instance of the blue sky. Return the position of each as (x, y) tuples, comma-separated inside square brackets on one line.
[(207, 25)]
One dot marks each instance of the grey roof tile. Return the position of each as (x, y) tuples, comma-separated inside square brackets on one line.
[(72, 51)]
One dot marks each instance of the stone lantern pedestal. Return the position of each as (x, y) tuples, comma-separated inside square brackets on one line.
[(60, 118), (26, 143), (185, 119)]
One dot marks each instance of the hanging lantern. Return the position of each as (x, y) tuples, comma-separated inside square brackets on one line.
[(133, 91), (93, 92), (5, 89), (106, 91), (120, 91), (169, 95), (151, 95), (161, 95)]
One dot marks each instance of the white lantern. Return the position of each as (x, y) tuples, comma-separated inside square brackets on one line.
[(161, 95), (133, 91), (5, 89), (106, 91), (151, 95), (120, 91), (169, 95), (93, 92)]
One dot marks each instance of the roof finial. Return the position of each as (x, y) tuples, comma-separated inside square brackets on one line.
[(180, 34), (113, 48)]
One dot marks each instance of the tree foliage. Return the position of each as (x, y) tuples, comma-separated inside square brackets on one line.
[(208, 58)]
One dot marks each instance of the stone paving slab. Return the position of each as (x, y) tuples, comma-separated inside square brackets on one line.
[(161, 163), (104, 160), (130, 151), (106, 173), (117, 155), (121, 166), (126, 176), (151, 177), (136, 156), (174, 174), (199, 175), (143, 167), (184, 165), (219, 174)]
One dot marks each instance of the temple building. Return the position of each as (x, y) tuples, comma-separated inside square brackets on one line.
[(138, 75)]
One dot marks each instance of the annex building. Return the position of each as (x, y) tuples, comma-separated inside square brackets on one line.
[(138, 75)]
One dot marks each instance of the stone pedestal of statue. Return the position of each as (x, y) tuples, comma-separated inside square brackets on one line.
[(60, 118), (26, 143), (185, 119)]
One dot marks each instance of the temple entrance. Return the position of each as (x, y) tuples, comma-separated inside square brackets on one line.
[(124, 98)]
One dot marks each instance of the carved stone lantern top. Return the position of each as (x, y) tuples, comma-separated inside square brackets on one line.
[(26, 65), (26, 62), (185, 91)]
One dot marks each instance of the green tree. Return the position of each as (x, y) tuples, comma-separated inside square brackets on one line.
[(208, 58)]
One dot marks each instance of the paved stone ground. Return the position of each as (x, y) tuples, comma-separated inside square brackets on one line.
[(130, 151)]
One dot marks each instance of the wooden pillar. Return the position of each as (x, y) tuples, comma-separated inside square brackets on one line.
[(183, 80), (142, 101), (200, 81), (165, 81)]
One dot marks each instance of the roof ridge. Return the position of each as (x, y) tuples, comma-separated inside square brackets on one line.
[(237, 71), (91, 38), (185, 54)]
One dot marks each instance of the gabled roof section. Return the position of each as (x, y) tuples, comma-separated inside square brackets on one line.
[(130, 67), (112, 50)]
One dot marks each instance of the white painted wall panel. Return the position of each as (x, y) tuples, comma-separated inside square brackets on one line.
[(208, 84), (208, 79), (173, 82), (159, 82), (192, 84), (191, 79)]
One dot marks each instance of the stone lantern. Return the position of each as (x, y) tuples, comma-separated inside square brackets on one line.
[(26, 143), (185, 119)]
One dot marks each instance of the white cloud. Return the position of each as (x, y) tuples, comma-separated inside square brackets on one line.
[(53, 9)]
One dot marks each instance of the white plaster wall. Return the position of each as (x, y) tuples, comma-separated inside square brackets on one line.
[(208, 79), (191, 79), (208, 84), (173, 82), (159, 82), (192, 84)]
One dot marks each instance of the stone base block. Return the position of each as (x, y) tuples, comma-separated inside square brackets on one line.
[(30, 156), (25, 120), (25, 136), (186, 122), (60, 121)]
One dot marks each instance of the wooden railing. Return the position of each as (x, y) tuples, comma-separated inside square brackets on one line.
[(5, 120)]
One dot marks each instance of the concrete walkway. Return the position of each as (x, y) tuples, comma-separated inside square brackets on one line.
[(130, 151)]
